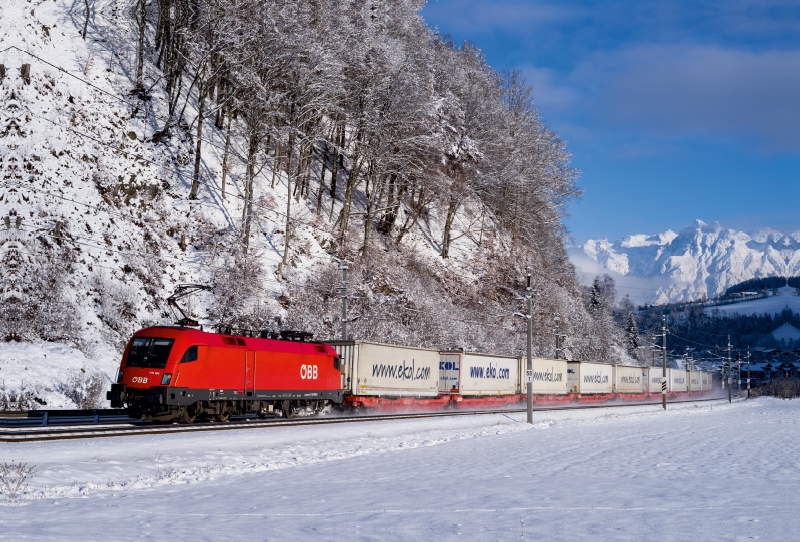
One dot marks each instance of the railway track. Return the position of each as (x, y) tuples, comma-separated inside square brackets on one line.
[(119, 427)]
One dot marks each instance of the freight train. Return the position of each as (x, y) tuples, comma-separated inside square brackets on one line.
[(182, 374)]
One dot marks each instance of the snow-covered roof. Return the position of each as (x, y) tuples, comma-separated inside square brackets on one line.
[(786, 332)]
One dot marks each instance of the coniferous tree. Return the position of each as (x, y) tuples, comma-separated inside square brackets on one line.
[(631, 335)]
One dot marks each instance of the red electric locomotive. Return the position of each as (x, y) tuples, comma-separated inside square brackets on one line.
[(180, 373)]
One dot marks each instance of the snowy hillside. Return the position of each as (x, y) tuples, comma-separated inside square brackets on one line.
[(781, 299), (92, 225), (108, 201), (702, 260)]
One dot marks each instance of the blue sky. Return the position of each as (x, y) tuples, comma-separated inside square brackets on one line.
[(673, 110)]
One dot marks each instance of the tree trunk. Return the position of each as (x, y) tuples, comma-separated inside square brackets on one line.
[(448, 224), (344, 214), (372, 207), (86, 21), (323, 166), (307, 163), (287, 232), (276, 161), (225, 154), (335, 170), (201, 88), (140, 51), (252, 150)]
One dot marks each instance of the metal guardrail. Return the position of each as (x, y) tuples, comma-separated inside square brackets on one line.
[(45, 418)]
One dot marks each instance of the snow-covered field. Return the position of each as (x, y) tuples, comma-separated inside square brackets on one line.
[(773, 304), (696, 472)]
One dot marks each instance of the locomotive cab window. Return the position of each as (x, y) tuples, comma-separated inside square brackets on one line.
[(336, 363), (190, 354), (149, 352)]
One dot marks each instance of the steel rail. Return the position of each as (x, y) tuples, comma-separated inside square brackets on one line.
[(29, 434)]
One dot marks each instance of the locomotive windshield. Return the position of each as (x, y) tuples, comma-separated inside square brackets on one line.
[(149, 352)]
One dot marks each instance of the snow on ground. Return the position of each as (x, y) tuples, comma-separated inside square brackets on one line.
[(769, 305), (44, 370), (695, 472)]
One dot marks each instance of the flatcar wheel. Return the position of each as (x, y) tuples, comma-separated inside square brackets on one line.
[(224, 412)]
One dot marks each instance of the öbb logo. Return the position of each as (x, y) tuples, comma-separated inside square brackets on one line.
[(308, 372), (139, 380)]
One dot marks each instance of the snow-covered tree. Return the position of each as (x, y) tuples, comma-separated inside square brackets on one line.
[(631, 334)]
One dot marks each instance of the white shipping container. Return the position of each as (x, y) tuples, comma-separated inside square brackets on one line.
[(588, 378), (386, 370), (655, 379), (695, 380), (549, 376), (677, 380), (484, 374), (706, 381), (629, 379)]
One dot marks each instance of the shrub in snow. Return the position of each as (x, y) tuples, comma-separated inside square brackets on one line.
[(12, 400), (36, 302), (117, 304), (13, 478), (86, 390)]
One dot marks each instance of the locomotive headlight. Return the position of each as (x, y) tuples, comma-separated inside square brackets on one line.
[(165, 379), (119, 376)]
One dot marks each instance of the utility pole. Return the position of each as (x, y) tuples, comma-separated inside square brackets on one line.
[(529, 371), (343, 289), (664, 361), (739, 373), (729, 369), (748, 371)]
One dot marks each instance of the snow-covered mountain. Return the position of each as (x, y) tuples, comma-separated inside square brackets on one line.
[(700, 260)]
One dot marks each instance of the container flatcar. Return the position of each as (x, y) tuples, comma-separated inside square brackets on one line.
[(655, 380), (549, 376), (629, 379), (695, 382), (385, 375), (473, 374), (591, 378), (706, 381), (678, 380)]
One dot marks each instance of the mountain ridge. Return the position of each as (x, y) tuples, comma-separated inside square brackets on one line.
[(701, 260)]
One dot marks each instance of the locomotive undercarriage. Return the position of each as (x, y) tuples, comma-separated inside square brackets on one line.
[(223, 410), (188, 406)]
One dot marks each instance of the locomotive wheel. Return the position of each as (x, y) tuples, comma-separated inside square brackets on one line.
[(188, 414), (288, 413), (224, 412)]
